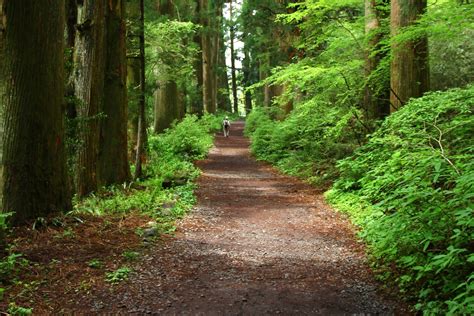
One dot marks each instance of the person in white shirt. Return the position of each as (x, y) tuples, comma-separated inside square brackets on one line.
[(226, 126)]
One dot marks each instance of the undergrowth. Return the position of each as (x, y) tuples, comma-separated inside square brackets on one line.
[(308, 142), (165, 194), (166, 191), (411, 190)]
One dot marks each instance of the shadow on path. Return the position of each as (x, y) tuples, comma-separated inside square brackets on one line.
[(256, 243)]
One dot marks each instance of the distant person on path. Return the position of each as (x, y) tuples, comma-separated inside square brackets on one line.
[(226, 126)]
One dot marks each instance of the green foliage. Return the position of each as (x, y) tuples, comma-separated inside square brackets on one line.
[(14, 309), (4, 221), (119, 275), (4, 228), (68, 233), (308, 142), (169, 175), (10, 266), (173, 152), (130, 255), (189, 140), (170, 55), (449, 27), (411, 190), (170, 49), (324, 86), (95, 264)]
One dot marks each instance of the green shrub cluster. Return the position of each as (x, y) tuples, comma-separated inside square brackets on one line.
[(172, 153), (308, 142), (169, 174), (411, 189)]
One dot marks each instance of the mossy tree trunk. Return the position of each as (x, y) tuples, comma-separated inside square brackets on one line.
[(133, 72), (247, 80), (197, 105), (113, 157), (33, 161), (142, 136), (167, 105), (70, 31), (89, 88), (376, 104), (235, 100), (207, 67), (223, 100), (409, 69)]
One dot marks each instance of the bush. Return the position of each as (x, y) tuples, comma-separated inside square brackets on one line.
[(169, 174), (308, 142), (411, 189), (188, 140), (172, 153)]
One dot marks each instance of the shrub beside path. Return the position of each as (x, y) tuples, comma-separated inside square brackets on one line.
[(256, 243)]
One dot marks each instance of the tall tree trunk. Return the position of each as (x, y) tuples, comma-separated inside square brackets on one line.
[(113, 157), (166, 101), (89, 88), (247, 72), (142, 133), (133, 96), (223, 101), (166, 105), (264, 71), (232, 59), (207, 72), (133, 73), (33, 175), (196, 103), (375, 106), (71, 14), (409, 68), (215, 46)]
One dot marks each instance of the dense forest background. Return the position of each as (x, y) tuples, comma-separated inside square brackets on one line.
[(106, 104)]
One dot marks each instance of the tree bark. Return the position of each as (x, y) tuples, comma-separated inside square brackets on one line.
[(207, 71), (247, 72), (133, 73), (196, 103), (113, 158), (140, 157), (166, 105), (223, 101), (89, 88), (71, 19), (232, 60), (375, 106), (409, 68), (33, 179), (167, 97)]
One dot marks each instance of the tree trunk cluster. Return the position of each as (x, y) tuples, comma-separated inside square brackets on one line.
[(409, 70), (212, 75), (34, 178)]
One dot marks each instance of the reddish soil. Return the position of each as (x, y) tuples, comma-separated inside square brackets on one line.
[(256, 243), (59, 273)]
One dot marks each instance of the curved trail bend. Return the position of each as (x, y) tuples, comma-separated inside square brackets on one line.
[(256, 243)]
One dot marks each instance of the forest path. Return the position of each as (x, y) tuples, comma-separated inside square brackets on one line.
[(256, 243)]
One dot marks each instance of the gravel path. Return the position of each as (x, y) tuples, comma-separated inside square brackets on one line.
[(257, 243)]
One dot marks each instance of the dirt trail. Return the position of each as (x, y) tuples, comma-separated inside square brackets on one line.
[(257, 243)]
